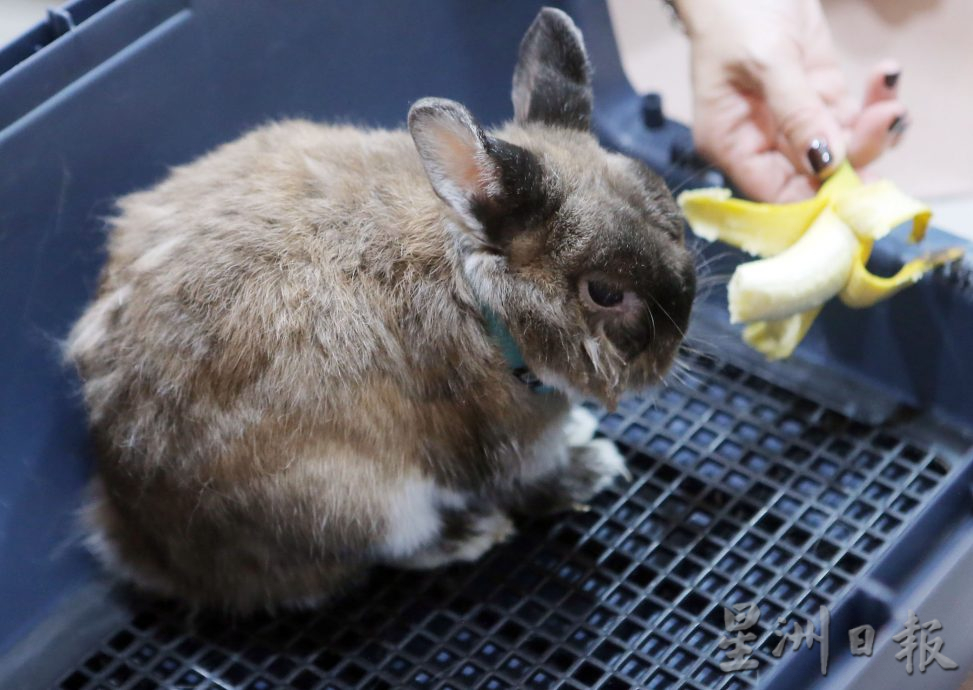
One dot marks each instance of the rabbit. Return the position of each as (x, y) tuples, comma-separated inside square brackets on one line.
[(298, 362)]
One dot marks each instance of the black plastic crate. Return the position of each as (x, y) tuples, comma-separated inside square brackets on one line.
[(839, 478), (744, 490)]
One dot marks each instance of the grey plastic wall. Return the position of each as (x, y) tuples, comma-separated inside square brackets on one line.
[(143, 85)]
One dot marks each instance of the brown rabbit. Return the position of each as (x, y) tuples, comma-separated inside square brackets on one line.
[(301, 358)]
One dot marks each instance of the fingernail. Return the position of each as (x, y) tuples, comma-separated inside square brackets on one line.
[(819, 156), (899, 125), (892, 78)]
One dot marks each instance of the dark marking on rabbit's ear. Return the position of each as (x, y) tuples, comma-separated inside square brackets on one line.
[(525, 198), (552, 81), (496, 187)]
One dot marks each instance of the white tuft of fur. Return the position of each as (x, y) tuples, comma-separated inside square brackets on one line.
[(579, 426), (558, 382), (605, 359), (546, 455), (157, 256), (105, 551), (412, 516), (603, 457), (88, 334)]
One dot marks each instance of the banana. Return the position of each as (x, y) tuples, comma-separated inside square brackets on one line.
[(813, 269), (813, 250), (873, 210), (759, 229), (777, 339), (865, 289)]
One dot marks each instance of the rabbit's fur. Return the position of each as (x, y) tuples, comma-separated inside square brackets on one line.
[(288, 369)]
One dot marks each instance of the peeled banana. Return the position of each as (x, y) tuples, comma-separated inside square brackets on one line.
[(815, 268), (814, 250)]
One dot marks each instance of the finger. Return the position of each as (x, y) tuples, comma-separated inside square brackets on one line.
[(878, 127), (883, 82), (829, 83), (737, 134), (770, 176), (815, 138), (843, 107), (797, 188)]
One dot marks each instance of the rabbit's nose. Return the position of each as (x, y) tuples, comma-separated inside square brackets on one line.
[(669, 308)]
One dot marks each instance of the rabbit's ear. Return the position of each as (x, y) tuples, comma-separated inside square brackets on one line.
[(552, 81), (484, 179)]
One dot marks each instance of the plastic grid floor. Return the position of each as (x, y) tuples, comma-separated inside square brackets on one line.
[(743, 491)]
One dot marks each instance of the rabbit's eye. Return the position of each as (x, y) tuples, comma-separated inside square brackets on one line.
[(605, 295)]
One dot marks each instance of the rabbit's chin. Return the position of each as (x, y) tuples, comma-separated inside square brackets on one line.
[(637, 376), (609, 376)]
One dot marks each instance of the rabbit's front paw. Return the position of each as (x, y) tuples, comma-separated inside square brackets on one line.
[(579, 426), (593, 467)]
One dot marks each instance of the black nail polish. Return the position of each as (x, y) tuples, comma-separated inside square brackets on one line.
[(899, 125), (891, 79), (819, 155)]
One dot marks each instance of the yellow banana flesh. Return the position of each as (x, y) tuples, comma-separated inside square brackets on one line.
[(819, 249), (813, 269)]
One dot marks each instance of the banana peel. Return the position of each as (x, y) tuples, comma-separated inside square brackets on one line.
[(811, 251), (865, 289), (817, 265), (777, 339)]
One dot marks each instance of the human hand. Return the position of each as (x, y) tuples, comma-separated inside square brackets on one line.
[(771, 103)]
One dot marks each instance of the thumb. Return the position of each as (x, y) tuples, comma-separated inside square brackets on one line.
[(815, 140)]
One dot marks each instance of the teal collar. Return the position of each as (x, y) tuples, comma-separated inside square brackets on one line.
[(511, 353)]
